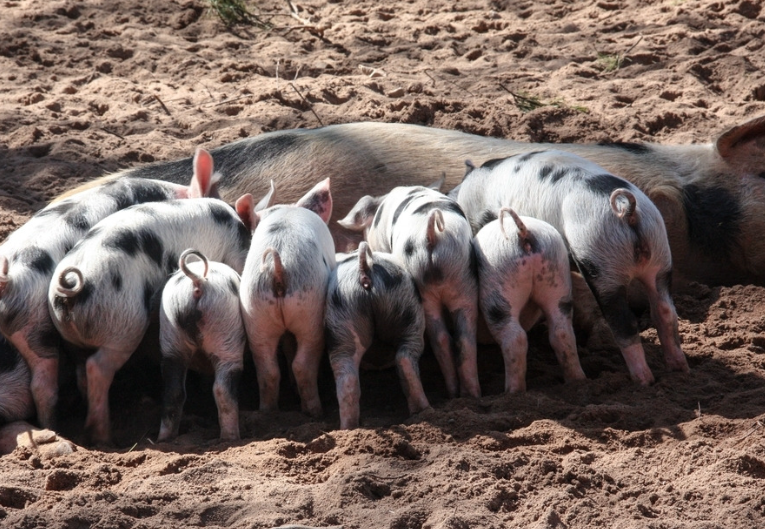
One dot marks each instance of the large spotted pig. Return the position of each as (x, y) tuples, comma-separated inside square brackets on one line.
[(284, 286), (614, 234), (711, 196), (523, 272), (102, 292), (372, 297), (431, 236), (200, 323), (29, 255)]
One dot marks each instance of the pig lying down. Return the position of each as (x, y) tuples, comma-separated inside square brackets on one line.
[(370, 297), (614, 234), (428, 232), (29, 255), (283, 289), (200, 323), (523, 272), (101, 296), (711, 196)]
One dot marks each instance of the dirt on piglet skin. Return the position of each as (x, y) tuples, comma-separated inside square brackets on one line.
[(87, 88)]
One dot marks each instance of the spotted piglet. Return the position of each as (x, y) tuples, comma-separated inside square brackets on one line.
[(372, 297), (29, 256), (429, 233), (523, 272), (613, 232), (284, 287), (200, 324), (102, 292)]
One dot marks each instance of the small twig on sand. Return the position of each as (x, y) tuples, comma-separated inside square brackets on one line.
[(228, 100), (304, 22), (112, 133), (430, 76), (754, 428), (310, 106), (162, 105), (450, 82)]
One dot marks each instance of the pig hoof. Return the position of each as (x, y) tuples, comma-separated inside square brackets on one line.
[(679, 365)]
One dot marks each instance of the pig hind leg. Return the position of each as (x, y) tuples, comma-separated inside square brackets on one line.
[(174, 370), (264, 343), (562, 338), (43, 366), (440, 342), (305, 366), (464, 314), (226, 393), (407, 365), (345, 352), (665, 318), (502, 315)]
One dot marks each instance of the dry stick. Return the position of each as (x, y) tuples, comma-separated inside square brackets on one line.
[(310, 106), (518, 96), (112, 133), (297, 72), (758, 424), (228, 101), (431, 78), (452, 82), (162, 105)]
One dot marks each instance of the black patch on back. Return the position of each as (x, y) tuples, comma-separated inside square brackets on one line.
[(77, 220), (389, 281), (444, 205), (491, 164), (123, 240), (634, 148), (528, 156), (486, 217), (116, 281), (220, 213), (147, 191), (605, 184), (37, 259), (409, 247), (120, 195), (545, 171), (152, 246), (558, 175), (401, 207), (714, 218)]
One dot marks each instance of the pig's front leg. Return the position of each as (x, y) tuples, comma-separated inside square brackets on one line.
[(665, 318), (174, 371)]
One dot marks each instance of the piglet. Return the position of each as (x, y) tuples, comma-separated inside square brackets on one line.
[(284, 286), (431, 236), (29, 256), (613, 232), (200, 323), (101, 295), (523, 271), (372, 297)]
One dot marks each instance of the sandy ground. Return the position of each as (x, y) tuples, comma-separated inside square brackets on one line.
[(87, 88)]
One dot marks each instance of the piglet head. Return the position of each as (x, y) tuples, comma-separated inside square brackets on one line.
[(249, 212), (318, 200), (361, 215), (204, 183)]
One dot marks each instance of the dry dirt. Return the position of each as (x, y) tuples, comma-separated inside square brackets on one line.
[(90, 87)]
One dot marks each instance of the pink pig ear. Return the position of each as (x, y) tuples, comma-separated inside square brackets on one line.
[(204, 182), (268, 200), (245, 208), (318, 200)]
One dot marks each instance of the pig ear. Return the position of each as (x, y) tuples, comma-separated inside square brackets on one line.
[(438, 184), (362, 214), (268, 200), (318, 200), (743, 144), (245, 208), (204, 182)]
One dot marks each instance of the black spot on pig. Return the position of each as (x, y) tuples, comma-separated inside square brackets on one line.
[(566, 307), (401, 207), (336, 299), (123, 240), (116, 281), (244, 236), (545, 171), (152, 246), (277, 227), (233, 286), (486, 217), (491, 164), (378, 216), (77, 220), (122, 198), (605, 184), (617, 312), (46, 338), (634, 148), (528, 156), (443, 205), (148, 192), (171, 262), (389, 280), (714, 218), (558, 175), (497, 311), (409, 247), (221, 213), (36, 259), (433, 274)]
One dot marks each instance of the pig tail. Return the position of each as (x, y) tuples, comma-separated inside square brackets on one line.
[(627, 213), (278, 276), (195, 279), (64, 288), (523, 232), (364, 268), (435, 221)]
